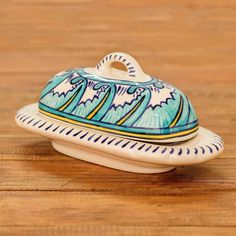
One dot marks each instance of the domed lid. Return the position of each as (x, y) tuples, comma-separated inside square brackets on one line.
[(127, 103)]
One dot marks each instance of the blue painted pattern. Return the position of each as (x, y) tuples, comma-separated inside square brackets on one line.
[(213, 147), (139, 108)]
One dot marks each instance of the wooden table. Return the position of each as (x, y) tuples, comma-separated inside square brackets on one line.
[(191, 44)]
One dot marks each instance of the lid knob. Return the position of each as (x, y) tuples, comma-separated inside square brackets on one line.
[(134, 72)]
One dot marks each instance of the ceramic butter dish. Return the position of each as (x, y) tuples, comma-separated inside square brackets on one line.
[(126, 120)]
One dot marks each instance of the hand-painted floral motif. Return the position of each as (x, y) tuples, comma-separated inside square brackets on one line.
[(152, 110)]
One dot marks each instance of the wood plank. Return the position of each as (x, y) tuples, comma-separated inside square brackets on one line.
[(70, 174), (91, 208), (167, 34), (111, 230)]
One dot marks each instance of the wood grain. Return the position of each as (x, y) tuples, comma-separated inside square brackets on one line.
[(191, 44)]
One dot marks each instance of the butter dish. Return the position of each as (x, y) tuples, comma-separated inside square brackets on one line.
[(127, 120)]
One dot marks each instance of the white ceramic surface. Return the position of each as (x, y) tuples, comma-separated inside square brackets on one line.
[(119, 152)]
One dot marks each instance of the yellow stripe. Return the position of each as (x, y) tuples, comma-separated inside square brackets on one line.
[(65, 105), (173, 123), (148, 136), (92, 114), (122, 120)]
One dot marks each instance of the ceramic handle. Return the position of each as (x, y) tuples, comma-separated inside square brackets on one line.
[(133, 69)]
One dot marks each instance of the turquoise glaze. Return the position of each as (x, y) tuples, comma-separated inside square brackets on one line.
[(148, 110)]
